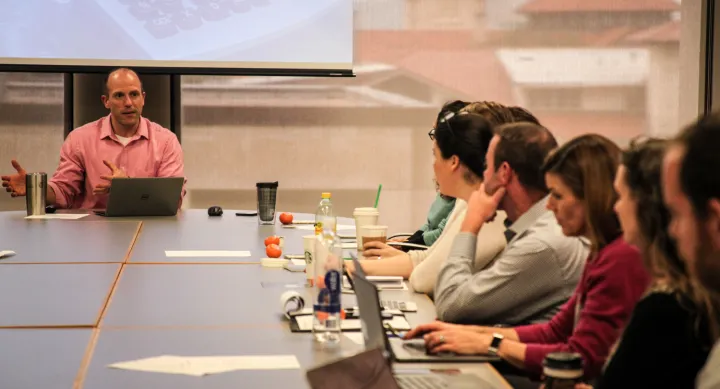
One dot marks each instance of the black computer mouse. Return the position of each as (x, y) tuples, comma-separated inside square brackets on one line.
[(215, 211), (50, 209)]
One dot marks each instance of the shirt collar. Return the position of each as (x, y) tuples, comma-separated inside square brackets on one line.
[(527, 219), (107, 132)]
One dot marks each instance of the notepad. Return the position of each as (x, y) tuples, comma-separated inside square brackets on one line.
[(61, 216), (204, 365), (399, 323), (206, 253)]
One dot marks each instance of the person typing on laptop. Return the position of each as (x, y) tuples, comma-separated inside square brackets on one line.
[(122, 144)]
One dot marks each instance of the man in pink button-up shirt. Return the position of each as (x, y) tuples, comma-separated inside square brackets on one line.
[(122, 144)]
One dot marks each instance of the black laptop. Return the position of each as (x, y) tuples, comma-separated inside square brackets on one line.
[(146, 196)]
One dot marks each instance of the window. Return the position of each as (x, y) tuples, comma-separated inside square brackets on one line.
[(349, 135)]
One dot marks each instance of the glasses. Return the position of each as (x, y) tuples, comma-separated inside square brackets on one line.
[(445, 119)]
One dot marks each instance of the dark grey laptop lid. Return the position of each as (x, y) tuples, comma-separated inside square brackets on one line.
[(144, 196)]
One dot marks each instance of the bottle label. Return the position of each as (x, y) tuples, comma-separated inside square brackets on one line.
[(333, 283), (327, 308), (318, 228)]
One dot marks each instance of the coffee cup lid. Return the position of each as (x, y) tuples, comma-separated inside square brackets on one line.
[(563, 361), (365, 210)]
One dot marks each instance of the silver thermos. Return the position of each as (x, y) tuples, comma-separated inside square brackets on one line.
[(36, 191)]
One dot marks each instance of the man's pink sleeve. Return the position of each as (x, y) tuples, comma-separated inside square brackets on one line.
[(69, 178), (172, 163)]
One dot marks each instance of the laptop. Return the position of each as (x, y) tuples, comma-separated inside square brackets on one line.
[(146, 196), (371, 369), (399, 350)]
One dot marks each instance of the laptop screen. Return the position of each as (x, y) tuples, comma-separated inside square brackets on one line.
[(370, 313), (364, 370)]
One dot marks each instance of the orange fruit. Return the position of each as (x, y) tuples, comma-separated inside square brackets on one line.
[(273, 251), (286, 218), (272, 240)]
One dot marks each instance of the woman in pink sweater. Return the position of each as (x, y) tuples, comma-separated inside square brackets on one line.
[(580, 177)]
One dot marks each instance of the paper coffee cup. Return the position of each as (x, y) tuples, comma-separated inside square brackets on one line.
[(364, 217), (370, 233), (309, 249)]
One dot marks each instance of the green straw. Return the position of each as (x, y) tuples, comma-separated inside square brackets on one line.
[(377, 198)]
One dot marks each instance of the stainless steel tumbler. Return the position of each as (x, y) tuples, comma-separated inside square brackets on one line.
[(36, 192)]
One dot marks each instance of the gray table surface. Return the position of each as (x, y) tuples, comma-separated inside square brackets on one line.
[(54, 294), (48, 358), (124, 345), (181, 306), (47, 241), (216, 295), (197, 231)]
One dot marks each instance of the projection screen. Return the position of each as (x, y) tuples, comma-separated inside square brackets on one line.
[(178, 36)]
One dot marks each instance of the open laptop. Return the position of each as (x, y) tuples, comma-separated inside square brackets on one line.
[(399, 350), (146, 196)]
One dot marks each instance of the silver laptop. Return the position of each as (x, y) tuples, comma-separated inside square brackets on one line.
[(147, 196), (376, 338), (401, 350)]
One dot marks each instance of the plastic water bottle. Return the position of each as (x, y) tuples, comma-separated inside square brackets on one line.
[(324, 216), (327, 307)]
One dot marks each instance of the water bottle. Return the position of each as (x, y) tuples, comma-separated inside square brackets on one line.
[(324, 216), (327, 289)]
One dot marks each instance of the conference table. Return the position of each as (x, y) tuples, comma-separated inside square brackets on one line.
[(79, 295)]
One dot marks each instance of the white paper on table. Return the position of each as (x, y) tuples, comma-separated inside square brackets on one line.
[(206, 253), (61, 216), (168, 364), (203, 365), (311, 227), (6, 253)]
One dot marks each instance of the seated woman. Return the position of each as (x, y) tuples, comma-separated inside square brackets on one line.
[(674, 326), (437, 218), (443, 205), (460, 141), (580, 176)]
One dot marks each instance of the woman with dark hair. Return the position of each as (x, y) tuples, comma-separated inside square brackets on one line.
[(443, 205), (674, 325), (460, 141), (580, 176)]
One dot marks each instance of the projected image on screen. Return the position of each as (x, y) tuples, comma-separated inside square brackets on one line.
[(182, 33)]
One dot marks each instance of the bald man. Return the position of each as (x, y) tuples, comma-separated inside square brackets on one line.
[(121, 144)]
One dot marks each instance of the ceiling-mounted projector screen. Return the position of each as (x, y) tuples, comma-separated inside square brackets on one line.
[(178, 36)]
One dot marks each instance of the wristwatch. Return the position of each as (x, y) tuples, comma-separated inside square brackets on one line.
[(495, 344)]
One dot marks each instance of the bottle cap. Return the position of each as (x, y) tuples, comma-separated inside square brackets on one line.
[(326, 195)]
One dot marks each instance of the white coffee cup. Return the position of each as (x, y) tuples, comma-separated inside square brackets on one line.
[(309, 247), (364, 217)]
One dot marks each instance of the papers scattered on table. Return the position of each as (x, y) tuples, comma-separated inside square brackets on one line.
[(399, 323), (206, 253), (6, 253), (381, 282), (61, 216), (204, 365)]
